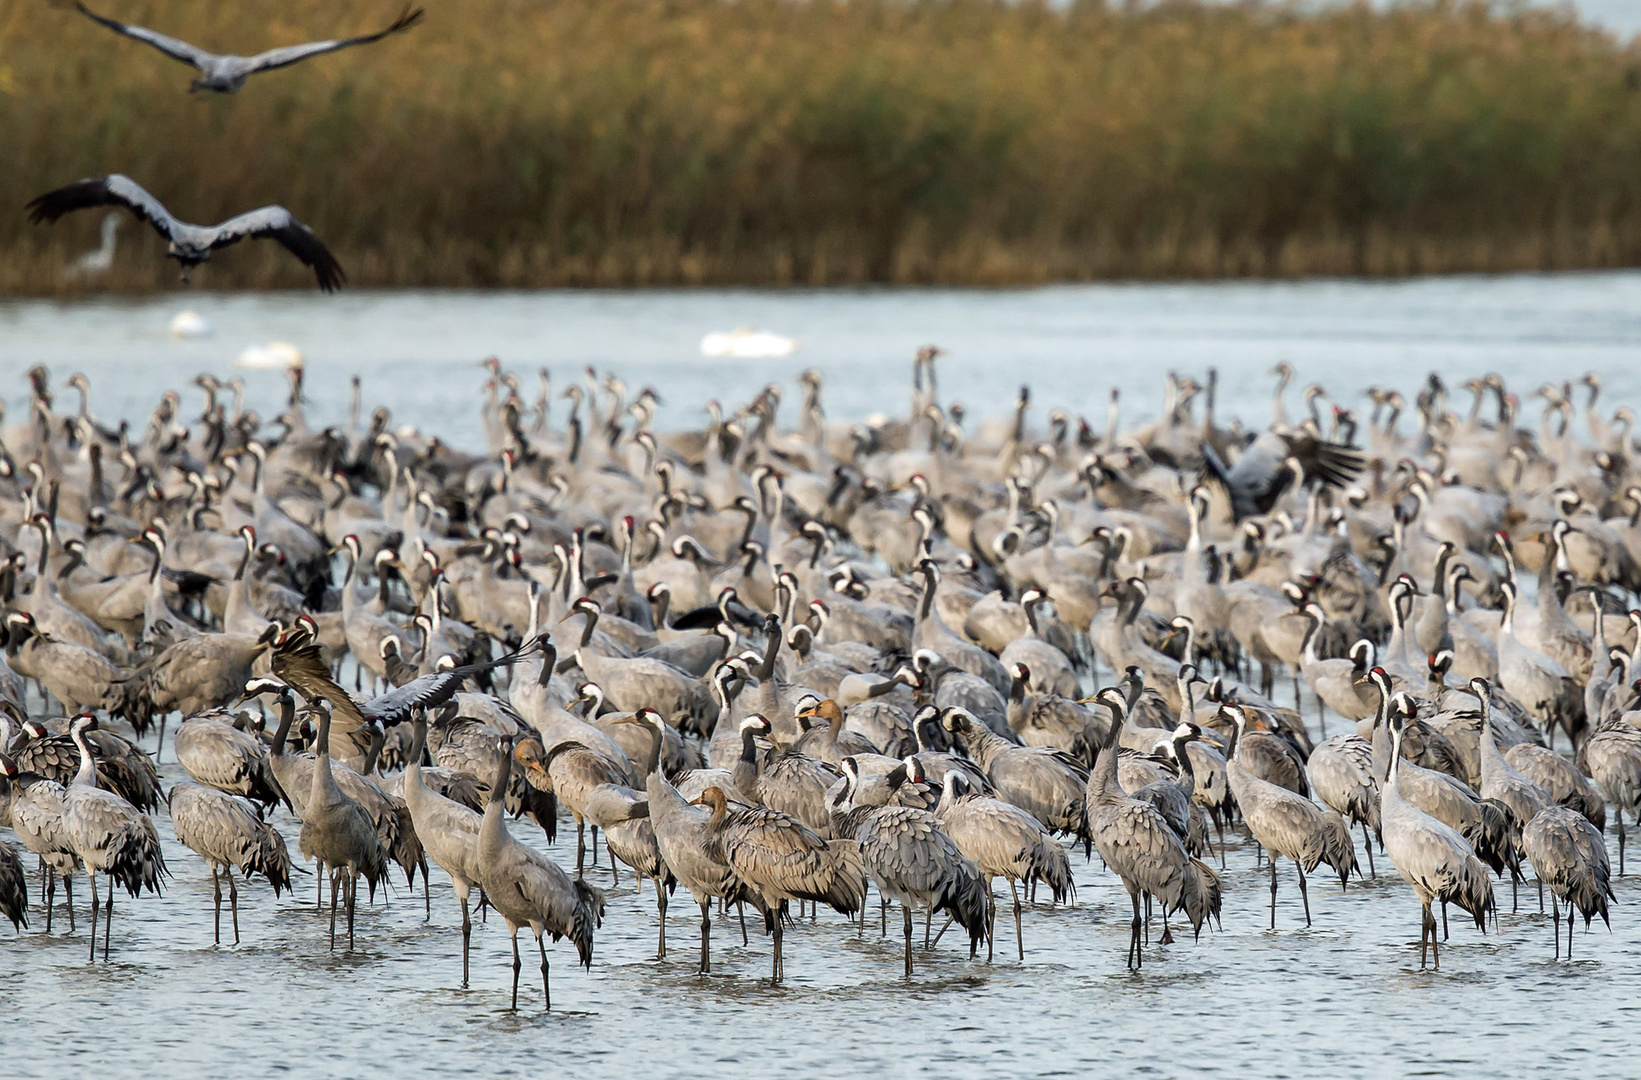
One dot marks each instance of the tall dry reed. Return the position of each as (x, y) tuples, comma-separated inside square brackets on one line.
[(606, 142)]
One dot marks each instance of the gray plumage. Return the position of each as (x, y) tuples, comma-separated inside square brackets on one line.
[(779, 858), (219, 755), (225, 74), (190, 245), (229, 835), (1569, 855), (121, 767), (1004, 841), (13, 887), (1498, 779), (1613, 757), (36, 809), (914, 862), (109, 835), (528, 889), (1046, 783), (682, 838), (339, 833), (1560, 779), (1432, 857), (448, 830), (1136, 843), (1287, 824)]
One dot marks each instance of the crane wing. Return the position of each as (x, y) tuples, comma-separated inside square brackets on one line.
[(170, 46), (290, 54), (302, 667), (433, 689), (111, 190), (278, 223)]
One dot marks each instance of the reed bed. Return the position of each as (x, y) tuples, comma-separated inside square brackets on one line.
[(633, 142)]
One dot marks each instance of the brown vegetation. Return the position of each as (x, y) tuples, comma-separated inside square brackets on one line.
[(619, 142)]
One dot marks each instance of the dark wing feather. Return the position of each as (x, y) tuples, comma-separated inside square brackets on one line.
[(278, 58), (170, 46), (1334, 463), (433, 689), (303, 669), (278, 223), (111, 190)]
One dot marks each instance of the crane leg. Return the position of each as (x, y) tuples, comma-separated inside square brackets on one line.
[(333, 886), (1435, 946), (1019, 932), (546, 991), (1367, 842), (467, 936), (1569, 929), (1304, 894), (740, 909), (615, 876), (1444, 922), (775, 971), (319, 886), (1273, 893), (216, 896), (159, 745), (580, 847), (661, 920), (68, 890), (906, 908), (427, 891), (1515, 880), (1555, 910), (706, 936), (91, 875), (928, 917), (883, 917), (1134, 958), (48, 892), (1620, 841), (1540, 896), (108, 919), (517, 965), (353, 897), (45, 878), (233, 901), (595, 844), (1427, 929), (1219, 829)]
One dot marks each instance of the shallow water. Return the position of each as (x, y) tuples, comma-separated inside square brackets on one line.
[(1344, 997)]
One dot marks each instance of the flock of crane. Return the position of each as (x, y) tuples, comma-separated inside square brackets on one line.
[(786, 664)]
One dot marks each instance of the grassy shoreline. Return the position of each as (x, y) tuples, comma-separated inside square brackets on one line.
[(531, 143)]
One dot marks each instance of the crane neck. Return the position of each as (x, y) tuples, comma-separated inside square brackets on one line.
[(87, 775)]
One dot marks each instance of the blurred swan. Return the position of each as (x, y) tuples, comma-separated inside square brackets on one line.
[(274, 356), (97, 262), (747, 343), (189, 324)]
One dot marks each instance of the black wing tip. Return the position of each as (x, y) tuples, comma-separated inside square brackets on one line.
[(329, 272), (47, 208), (407, 18)]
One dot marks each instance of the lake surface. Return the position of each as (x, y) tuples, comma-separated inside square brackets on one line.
[(417, 352), (1344, 998)]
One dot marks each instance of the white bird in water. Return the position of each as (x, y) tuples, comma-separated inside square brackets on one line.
[(96, 262), (225, 74), (747, 344), (191, 244)]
